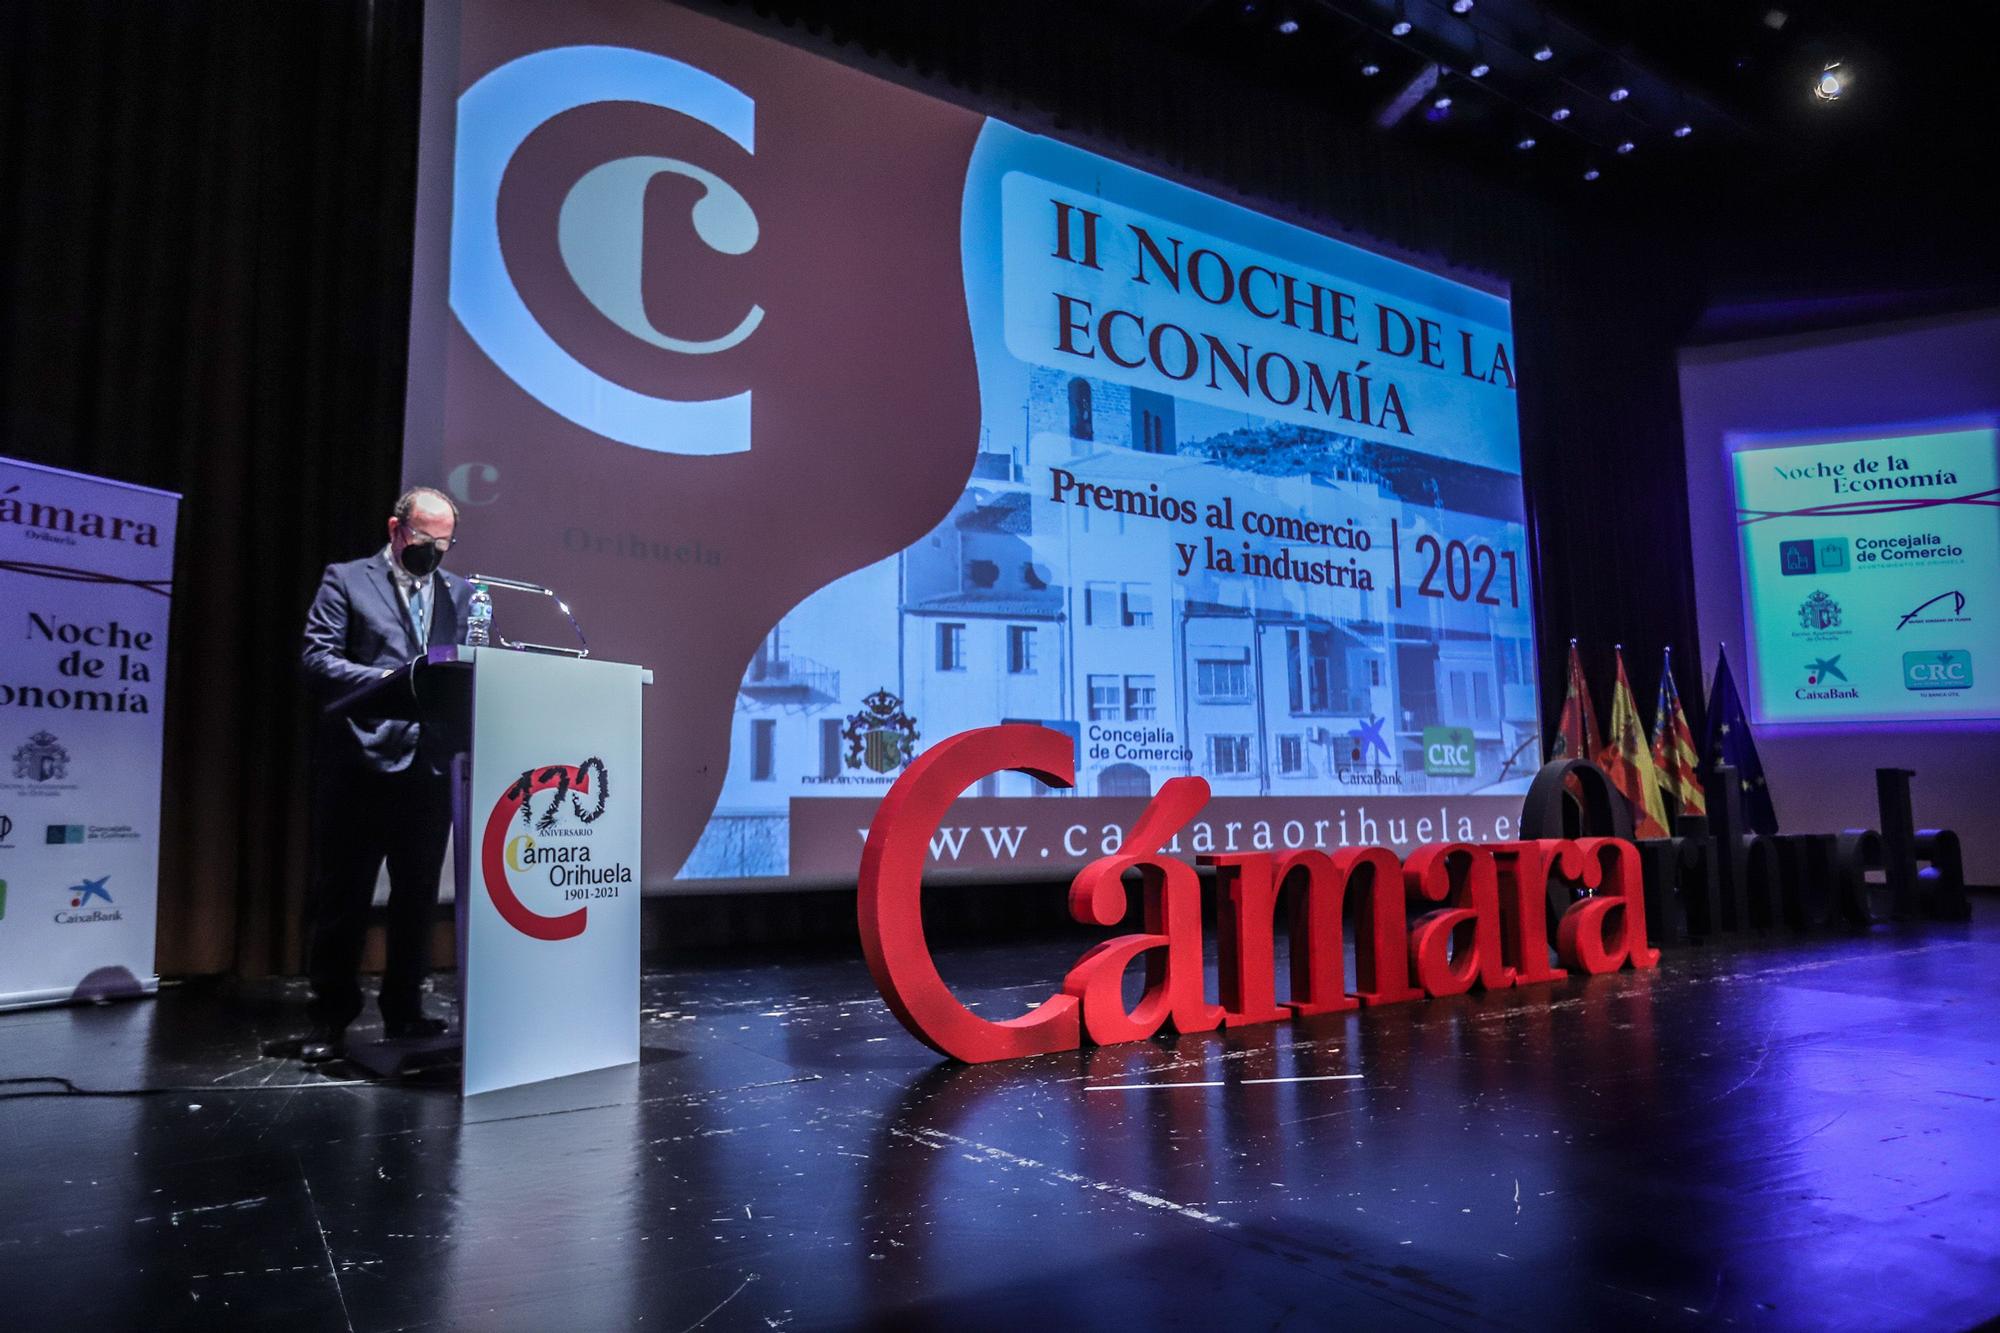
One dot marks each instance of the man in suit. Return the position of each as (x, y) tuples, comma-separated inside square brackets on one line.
[(380, 792)]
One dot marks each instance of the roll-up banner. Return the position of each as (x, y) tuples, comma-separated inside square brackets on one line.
[(86, 589)]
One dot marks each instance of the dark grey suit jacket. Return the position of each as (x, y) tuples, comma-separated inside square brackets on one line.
[(355, 629)]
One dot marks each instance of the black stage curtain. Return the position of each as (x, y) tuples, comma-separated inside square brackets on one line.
[(204, 230), (204, 217)]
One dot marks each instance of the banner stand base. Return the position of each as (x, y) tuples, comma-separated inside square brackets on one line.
[(146, 989), (409, 1059)]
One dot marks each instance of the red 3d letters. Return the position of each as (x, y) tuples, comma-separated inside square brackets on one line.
[(1484, 926)]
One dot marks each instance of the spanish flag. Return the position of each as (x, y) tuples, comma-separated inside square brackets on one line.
[(1675, 759), (1629, 764)]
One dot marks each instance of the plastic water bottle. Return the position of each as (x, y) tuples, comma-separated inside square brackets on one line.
[(479, 620)]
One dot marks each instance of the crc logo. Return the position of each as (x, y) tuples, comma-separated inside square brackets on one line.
[(1817, 555), (498, 854), (1449, 752), (1949, 669), (600, 234)]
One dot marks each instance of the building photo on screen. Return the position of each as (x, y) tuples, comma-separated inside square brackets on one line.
[(1075, 664)]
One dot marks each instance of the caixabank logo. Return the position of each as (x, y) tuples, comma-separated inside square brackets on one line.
[(1822, 673), (83, 895), (551, 851), (1370, 763)]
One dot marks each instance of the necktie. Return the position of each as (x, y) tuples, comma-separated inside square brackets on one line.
[(420, 613)]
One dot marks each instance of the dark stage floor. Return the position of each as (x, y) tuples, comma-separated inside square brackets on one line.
[(1795, 1136)]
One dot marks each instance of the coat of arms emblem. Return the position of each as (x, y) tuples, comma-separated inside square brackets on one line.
[(881, 737), (1819, 612), (41, 759)]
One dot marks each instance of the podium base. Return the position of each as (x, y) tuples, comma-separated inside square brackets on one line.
[(408, 1059)]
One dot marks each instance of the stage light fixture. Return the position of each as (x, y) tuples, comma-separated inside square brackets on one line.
[(1401, 27), (1620, 93), (1683, 131), (1625, 148), (1526, 144), (1545, 52), (1480, 70), (1591, 173), (1561, 113), (1832, 82), (1442, 104), (1288, 25), (1461, 6), (1370, 70)]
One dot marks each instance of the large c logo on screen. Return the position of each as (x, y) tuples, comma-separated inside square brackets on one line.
[(599, 234)]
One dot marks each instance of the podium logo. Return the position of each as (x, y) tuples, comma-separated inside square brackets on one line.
[(600, 235), (6, 827), (555, 846), (1950, 669)]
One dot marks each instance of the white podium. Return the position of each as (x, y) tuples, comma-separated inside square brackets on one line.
[(545, 760)]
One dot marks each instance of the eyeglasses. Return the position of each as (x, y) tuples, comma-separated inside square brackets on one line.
[(426, 539)]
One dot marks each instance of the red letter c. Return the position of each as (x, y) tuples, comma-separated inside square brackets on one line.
[(891, 894)]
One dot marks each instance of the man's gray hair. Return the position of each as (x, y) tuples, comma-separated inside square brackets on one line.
[(406, 503)]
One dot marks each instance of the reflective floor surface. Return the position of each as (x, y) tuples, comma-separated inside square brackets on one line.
[(1798, 1135)]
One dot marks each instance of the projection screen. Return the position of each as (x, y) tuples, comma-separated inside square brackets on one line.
[(864, 419)]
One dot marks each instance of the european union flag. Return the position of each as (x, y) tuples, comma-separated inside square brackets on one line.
[(1729, 742)]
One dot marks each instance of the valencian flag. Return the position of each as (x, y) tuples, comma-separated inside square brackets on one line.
[(1674, 756), (1729, 742), (1576, 730), (1628, 762)]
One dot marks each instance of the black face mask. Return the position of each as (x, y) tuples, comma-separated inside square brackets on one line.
[(420, 558)]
